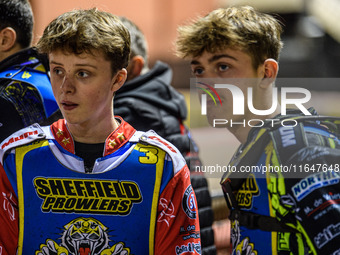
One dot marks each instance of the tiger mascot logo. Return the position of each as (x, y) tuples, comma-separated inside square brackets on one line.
[(83, 236)]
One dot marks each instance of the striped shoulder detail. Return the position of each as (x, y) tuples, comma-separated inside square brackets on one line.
[(152, 138), (24, 136)]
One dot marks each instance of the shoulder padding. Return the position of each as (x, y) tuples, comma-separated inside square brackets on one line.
[(24, 136), (152, 138)]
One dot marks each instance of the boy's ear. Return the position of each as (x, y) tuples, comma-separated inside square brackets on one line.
[(271, 68), (8, 38), (119, 79), (135, 67)]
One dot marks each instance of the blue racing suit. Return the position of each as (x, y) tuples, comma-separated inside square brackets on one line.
[(137, 200)]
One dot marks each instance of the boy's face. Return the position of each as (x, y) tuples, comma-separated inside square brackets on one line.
[(229, 66), (83, 86)]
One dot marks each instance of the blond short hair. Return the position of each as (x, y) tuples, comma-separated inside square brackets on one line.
[(80, 31), (242, 28)]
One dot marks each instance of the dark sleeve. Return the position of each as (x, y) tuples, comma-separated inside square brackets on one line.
[(315, 196), (10, 120), (139, 114)]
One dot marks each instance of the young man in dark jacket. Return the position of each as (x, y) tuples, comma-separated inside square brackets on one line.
[(148, 101)]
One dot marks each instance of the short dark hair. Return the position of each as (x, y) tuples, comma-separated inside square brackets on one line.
[(138, 41), (18, 15), (244, 28)]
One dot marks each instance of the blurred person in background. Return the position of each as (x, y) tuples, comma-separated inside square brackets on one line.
[(148, 101), (273, 212), (25, 91)]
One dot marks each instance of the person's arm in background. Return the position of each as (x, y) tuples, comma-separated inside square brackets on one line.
[(10, 120)]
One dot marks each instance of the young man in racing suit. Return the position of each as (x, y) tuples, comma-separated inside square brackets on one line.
[(271, 212), (90, 183), (26, 96)]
